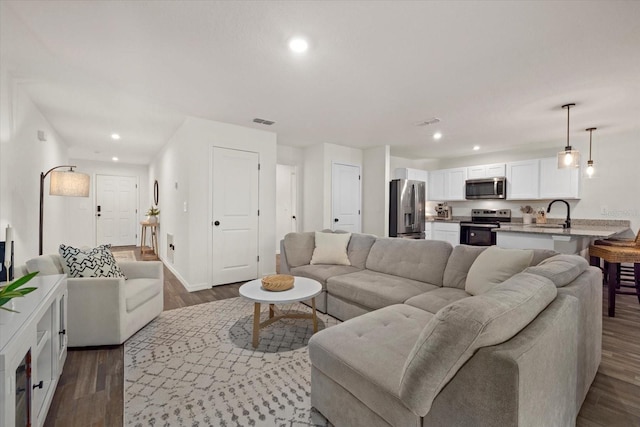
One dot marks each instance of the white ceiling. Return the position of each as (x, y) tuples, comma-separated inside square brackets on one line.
[(496, 73)]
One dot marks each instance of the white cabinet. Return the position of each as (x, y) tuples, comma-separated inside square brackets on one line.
[(33, 348), (446, 231), (558, 183), (447, 184), (413, 174), (486, 171), (428, 230), (523, 181)]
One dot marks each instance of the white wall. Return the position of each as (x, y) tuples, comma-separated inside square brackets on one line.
[(613, 192), (375, 191), (182, 169), (22, 158), (81, 219)]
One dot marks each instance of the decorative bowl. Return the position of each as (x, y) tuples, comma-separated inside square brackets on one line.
[(277, 282)]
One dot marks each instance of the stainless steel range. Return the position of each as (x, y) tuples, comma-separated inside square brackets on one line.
[(479, 232)]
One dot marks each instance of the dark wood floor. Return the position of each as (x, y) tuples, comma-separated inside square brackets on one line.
[(90, 392)]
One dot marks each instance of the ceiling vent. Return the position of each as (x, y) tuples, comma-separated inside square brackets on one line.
[(431, 121), (263, 121)]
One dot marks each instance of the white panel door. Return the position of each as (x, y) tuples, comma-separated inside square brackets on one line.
[(116, 210), (345, 195), (235, 216), (286, 200)]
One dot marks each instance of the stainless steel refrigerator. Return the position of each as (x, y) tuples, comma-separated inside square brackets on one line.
[(406, 209)]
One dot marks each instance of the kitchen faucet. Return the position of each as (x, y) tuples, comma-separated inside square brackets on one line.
[(567, 223)]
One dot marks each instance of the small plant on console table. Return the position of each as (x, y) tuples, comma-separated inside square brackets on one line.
[(14, 290), (152, 214)]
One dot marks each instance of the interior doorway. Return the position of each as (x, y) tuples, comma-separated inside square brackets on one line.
[(345, 197), (116, 210), (286, 202), (234, 186)]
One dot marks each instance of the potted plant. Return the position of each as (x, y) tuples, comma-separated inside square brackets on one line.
[(15, 290), (152, 214)]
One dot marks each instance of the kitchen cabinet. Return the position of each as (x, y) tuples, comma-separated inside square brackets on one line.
[(33, 349), (523, 181), (558, 183), (486, 171), (447, 184), (446, 231), (428, 230), (413, 174)]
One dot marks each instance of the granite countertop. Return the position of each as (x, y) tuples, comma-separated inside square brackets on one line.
[(455, 219), (596, 231)]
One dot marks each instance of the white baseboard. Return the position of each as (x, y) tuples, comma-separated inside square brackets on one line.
[(188, 286)]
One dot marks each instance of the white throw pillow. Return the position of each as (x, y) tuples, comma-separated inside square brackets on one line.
[(494, 266), (331, 248)]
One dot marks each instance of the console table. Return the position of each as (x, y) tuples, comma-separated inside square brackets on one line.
[(33, 349)]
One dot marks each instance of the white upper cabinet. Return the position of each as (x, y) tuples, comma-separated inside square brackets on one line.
[(523, 181), (486, 171), (447, 184), (436, 185), (413, 174), (558, 183)]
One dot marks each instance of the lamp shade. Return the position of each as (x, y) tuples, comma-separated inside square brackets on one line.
[(568, 159), (69, 183)]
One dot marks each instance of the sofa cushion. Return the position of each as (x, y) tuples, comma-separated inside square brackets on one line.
[(331, 248), (299, 248), (359, 248), (422, 260), (453, 335), (94, 262), (322, 272), (375, 290), (47, 264), (436, 299), (366, 355), (560, 269), (139, 291), (494, 266), (458, 265), (540, 255)]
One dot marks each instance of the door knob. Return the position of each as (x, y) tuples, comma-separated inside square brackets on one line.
[(217, 223), (335, 219), (39, 385), (294, 217)]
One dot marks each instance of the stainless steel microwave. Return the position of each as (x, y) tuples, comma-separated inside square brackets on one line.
[(486, 188)]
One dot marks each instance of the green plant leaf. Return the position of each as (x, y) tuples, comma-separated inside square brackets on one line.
[(21, 281)]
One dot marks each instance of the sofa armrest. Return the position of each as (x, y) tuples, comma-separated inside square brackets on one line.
[(284, 265), (142, 269), (94, 308)]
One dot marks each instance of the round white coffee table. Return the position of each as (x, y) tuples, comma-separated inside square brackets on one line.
[(303, 289)]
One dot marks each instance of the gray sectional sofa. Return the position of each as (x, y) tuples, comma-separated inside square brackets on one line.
[(417, 350)]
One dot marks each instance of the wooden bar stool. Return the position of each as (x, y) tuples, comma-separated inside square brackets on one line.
[(613, 256), (152, 251)]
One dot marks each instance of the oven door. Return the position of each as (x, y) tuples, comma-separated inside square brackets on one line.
[(478, 234)]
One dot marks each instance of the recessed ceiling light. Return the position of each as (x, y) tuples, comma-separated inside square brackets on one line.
[(476, 147), (115, 136), (115, 159), (298, 45), (437, 135)]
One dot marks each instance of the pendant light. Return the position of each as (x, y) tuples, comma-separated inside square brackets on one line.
[(568, 158), (590, 169)]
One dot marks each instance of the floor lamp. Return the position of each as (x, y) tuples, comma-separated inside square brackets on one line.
[(62, 183)]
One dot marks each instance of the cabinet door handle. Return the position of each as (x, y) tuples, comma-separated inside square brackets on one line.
[(39, 385)]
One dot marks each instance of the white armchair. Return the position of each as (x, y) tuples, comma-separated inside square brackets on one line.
[(105, 310)]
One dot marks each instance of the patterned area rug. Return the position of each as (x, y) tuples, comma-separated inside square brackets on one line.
[(195, 366), (124, 255)]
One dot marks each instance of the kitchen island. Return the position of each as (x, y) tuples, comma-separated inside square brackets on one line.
[(574, 240)]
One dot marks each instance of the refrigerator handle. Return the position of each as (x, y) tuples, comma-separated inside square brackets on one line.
[(415, 206)]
